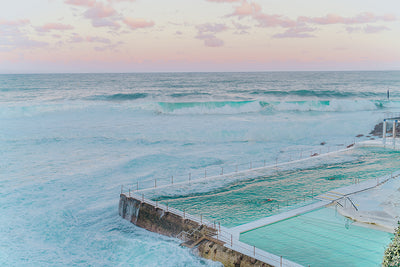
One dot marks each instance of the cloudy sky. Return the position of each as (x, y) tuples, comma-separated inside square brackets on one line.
[(198, 35)]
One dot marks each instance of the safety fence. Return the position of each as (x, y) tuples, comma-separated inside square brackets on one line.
[(282, 160), (222, 234), (391, 115), (231, 239)]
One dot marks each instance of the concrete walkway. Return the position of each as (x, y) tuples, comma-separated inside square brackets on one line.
[(323, 200)]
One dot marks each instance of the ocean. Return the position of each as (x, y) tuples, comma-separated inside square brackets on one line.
[(69, 141)]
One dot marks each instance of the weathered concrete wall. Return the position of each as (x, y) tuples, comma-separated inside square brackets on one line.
[(169, 224), (228, 257), (154, 219)]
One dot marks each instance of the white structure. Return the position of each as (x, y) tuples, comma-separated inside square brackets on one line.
[(384, 130)]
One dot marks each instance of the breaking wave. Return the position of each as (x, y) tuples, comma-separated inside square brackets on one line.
[(237, 107)]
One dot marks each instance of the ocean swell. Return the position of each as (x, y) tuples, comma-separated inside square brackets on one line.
[(238, 107)]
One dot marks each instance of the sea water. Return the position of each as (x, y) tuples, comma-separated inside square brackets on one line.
[(69, 141), (254, 198)]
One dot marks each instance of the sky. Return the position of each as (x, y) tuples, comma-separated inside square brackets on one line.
[(46, 36)]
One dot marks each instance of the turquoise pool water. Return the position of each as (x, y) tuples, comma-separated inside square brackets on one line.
[(321, 238), (251, 199)]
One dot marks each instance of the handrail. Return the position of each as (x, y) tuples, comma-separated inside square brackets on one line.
[(352, 203), (158, 183)]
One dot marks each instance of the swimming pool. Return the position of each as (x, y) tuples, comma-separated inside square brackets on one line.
[(244, 201), (321, 238)]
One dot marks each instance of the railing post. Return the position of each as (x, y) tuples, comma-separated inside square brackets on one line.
[(156, 203), (142, 197), (281, 261), (167, 206), (254, 251), (384, 132), (219, 226), (231, 240), (201, 218)]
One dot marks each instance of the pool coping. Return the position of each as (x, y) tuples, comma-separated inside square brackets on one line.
[(324, 199)]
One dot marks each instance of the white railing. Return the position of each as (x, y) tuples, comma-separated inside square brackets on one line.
[(391, 115), (222, 234), (213, 173)]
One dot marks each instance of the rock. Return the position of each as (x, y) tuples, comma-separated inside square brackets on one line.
[(377, 131), (323, 143), (351, 145), (359, 135)]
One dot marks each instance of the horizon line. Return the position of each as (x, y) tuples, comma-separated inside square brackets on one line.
[(162, 72)]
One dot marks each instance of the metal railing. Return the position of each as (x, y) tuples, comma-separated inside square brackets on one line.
[(391, 115), (223, 235), (229, 170)]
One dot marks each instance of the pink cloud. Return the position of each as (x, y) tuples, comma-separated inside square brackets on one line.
[(246, 9), (389, 17), (223, 1), (208, 27), (109, 47), (207, 31), (241, 29), (104, 22), (54, 26), (11, 38), (88, 3), (296, 32), (366, 17), (95, 39), (138, 23), (19, 22), (375, 29), (266, 20), (99, 10), (210, 40), (102, 16), (76, 38)]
